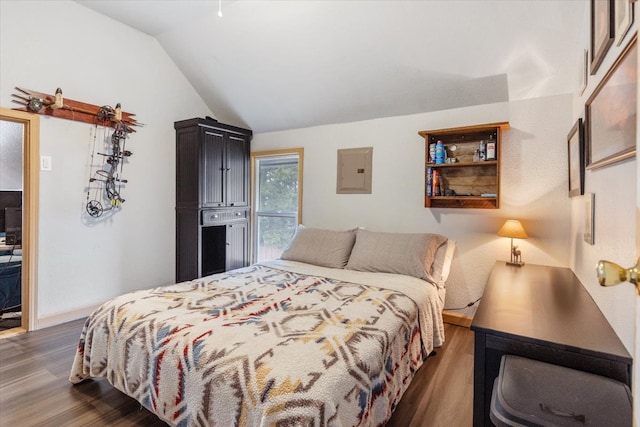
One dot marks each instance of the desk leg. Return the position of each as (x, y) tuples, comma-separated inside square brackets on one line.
[(479, 415)]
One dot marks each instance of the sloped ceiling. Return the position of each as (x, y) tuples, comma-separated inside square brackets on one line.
[(274, 64)]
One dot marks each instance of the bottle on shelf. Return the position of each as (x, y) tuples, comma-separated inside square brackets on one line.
[(435, 181), (491, 149), (482, 151), (440, 153)]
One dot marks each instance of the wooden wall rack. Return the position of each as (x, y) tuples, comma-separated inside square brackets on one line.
[(64, 108)]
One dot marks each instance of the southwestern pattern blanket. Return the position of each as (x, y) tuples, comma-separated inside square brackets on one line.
[(257, 346)]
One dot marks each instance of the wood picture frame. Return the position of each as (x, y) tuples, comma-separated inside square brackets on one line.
[(575, 144), (611, 112), (602, 31), (623, 18)]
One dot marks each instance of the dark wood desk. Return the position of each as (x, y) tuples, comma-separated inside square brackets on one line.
[(542, 313)]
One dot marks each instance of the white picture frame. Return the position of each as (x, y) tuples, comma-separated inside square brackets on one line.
[(589, 213), (583, 77)]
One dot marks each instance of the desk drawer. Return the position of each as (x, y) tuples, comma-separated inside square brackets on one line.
[(218, 215)]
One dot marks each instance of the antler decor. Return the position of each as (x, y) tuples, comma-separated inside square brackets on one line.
[(64, 108)]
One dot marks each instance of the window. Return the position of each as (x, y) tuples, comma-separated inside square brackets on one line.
[(277, 200)]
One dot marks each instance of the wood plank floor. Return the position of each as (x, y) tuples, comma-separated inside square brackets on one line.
[(35, 391)]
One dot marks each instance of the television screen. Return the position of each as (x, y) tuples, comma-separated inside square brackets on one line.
[(13, 225)]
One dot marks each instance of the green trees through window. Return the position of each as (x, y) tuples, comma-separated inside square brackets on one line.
[(277, 192)]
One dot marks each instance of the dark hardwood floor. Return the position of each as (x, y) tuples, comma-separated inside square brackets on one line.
[(35, 390)]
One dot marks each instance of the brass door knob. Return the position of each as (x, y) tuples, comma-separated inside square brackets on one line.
[(611, 274)]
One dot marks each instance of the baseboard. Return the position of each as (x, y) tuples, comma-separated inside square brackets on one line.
[(456, 319), (64, 317), (12, 332)]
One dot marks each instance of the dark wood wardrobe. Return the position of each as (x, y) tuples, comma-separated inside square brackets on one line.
[(212, 197)]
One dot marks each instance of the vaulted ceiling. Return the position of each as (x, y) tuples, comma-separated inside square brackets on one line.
[(275, 64)]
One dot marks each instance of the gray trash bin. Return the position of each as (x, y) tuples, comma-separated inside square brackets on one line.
[(533, 393)]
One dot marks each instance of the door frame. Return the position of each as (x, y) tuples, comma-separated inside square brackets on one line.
[(636, 369), (30, 198)]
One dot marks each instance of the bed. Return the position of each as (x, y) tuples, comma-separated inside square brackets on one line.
[(320, 337)]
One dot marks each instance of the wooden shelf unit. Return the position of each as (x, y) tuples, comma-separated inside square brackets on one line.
[(468, 179)]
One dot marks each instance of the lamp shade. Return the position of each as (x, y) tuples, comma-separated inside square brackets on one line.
[(512, 228)]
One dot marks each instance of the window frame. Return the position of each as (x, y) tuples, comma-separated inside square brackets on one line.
[(259, 155)]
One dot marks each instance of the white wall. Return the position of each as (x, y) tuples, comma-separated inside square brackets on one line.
[(82, 261), (615, 190), (534, 184)]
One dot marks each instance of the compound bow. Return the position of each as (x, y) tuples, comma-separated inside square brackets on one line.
[(108, 176)]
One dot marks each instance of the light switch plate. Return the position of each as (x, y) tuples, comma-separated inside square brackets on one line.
[(45, 163)]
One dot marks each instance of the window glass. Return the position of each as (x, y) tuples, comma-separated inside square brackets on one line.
[(277, 193)]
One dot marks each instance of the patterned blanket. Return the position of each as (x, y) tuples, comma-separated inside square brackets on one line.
[(258, 346)]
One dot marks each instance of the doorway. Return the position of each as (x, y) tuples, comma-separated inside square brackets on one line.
[(21, 239)]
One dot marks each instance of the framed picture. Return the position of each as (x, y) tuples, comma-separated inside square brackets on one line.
[(611, 112), (589, 212), (601, 31), (583, 77), (575, 142), (623, 19)]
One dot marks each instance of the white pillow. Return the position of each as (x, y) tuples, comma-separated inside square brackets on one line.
[(441, 266)]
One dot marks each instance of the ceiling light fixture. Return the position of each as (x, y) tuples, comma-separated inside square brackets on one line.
[(220, 8)]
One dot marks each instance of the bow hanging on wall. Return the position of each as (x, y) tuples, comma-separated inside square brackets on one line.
[(106, 181), (105, 177)]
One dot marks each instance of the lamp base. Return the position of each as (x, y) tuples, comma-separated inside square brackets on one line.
[(515, 264)]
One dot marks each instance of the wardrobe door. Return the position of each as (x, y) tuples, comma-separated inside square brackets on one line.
[(237, 171), (187, 167), (237, 245), (213, 169)]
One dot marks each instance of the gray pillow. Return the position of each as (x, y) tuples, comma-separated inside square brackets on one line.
[(400, 253), (326, 248)]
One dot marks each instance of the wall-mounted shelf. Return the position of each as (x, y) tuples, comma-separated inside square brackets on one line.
[(468, 182), (65, 108)]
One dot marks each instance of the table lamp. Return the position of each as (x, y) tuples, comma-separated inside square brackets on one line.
[(513, 229)]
